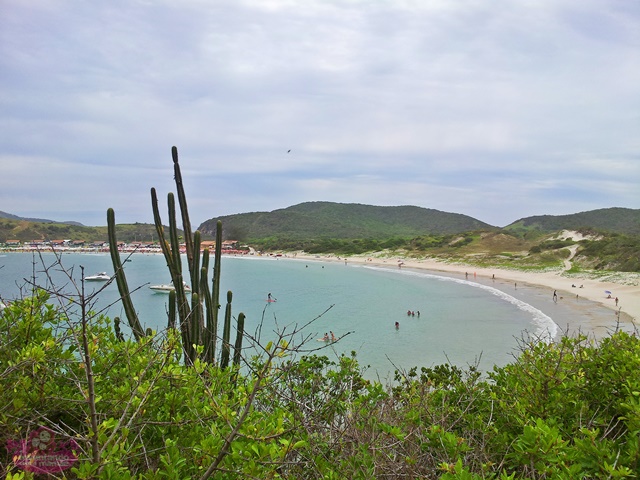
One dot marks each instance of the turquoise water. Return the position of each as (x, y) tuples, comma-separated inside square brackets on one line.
[(460, 322)]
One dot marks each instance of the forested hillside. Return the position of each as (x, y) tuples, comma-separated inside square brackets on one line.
[(313, 220), (618, 220), (26, 231)]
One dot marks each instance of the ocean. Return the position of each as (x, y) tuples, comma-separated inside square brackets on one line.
[(461, 321)]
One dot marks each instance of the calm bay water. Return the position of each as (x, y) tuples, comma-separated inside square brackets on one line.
[(460, 321)]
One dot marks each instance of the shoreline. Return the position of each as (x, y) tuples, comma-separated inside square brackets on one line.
[(624, 315), (624, 286)]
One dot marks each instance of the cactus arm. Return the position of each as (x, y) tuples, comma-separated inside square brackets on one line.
[(182, 200), (195, 273), (171, 253), (172, 310), (226, 334), (176, 261), (121, 279), (208, 335), (166, 249), (215, 294), (195, 321), (237, 351)]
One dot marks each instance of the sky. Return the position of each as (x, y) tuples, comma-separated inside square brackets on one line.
[(496, 109)]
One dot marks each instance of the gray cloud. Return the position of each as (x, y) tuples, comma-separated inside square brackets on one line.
[(494, 109)]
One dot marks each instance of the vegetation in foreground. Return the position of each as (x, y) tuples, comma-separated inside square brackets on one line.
[(565, 410)]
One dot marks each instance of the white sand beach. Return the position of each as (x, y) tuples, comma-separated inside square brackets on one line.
[(625, 287)]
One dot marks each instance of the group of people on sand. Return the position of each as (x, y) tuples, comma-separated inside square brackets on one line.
[(326, 337), (411, 313), (555, 295)]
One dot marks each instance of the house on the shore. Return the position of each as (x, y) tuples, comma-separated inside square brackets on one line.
[(36, 243), (230, 245), (59, 243)]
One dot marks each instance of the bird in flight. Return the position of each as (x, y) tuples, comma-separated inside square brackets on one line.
[(288, 151)]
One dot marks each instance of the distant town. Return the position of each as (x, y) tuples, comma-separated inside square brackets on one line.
[(80, 246)]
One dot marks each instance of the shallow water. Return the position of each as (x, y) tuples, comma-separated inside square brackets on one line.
[(462, 322)]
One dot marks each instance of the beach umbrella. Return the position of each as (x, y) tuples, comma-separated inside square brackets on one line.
[(607, 292)]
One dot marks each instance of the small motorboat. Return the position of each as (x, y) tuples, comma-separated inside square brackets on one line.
[(99, 277), (168, 287)]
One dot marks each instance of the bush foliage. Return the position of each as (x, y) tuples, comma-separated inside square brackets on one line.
[(569, 409)]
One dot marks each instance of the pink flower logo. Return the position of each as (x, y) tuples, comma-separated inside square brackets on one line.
[(40, 453)]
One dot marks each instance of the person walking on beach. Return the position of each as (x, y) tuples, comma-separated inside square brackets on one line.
[(616, 301), (555, 296)]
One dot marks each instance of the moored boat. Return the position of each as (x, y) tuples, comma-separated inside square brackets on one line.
[(99, 277), (168, 287)]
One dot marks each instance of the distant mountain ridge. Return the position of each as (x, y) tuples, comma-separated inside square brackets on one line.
[(36, 220), (316, 220), (351, 220), (616, 219), (341, 220)]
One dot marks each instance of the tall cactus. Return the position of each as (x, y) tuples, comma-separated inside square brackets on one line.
[(199, 320), (171, 251), (121, 279)]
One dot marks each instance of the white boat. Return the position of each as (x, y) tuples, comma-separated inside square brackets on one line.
[(99, 277), (168, 287)]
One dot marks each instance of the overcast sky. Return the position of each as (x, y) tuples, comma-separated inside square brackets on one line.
[(497, 109)]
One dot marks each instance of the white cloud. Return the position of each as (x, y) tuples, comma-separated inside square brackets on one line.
[(448, 105)]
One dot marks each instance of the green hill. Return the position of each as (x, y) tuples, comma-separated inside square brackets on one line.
[(617, 220), (10, 216), (25, 231), (312, 220)]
